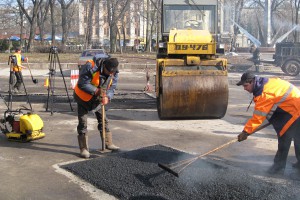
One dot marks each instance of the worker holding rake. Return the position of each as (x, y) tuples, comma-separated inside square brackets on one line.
[(276, 102), (97, 78)]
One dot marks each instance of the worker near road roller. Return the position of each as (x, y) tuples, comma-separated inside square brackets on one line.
[(255, 54), (17, 69), (277, 102), (96, 84)]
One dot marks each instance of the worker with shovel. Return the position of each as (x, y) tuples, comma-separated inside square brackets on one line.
[(97, 78), (17, 69), (276, 102)]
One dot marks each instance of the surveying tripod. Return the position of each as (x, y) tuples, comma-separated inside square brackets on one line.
[(54, 61), (12, 61)]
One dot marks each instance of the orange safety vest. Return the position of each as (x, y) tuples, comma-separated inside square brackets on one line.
[(276, 94), (18, 68), (95, 81)]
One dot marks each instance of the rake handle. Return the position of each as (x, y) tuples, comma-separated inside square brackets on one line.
[(190, 160)]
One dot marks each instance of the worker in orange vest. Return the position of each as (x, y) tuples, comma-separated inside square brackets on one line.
[(98, 77), (17, 69), (276, 102)]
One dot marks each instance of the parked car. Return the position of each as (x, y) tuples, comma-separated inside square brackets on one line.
[(88, 54)]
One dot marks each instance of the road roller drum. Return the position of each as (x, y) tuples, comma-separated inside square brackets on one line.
[(192, 94)]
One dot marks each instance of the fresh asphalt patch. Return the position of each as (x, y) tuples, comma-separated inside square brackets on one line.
[(135, 175)]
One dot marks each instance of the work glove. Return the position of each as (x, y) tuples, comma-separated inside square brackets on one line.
[(242, 136), (97, 92)]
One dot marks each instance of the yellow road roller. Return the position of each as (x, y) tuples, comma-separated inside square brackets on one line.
[(191, 81)]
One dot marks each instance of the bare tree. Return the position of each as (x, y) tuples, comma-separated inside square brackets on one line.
[(89, 29), (53, 24), (42, 17), (64, 20), (31, 19), (263, 28), (116, 10), (295, 16)]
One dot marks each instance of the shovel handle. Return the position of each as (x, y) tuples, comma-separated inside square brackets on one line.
[(29, 67), (103, 126)]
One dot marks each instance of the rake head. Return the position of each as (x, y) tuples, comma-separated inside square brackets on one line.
[(168, 169)]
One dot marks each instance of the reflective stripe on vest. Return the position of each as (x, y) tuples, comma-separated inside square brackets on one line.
[(273, 109), (284, 97)]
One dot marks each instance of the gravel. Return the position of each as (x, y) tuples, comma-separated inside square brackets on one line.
[(136, 175)]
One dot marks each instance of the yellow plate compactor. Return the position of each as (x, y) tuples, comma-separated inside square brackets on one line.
[(191, 81), (22, 127)]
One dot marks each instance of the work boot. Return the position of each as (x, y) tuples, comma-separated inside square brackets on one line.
[(276, 169), (296, 165), (84, 150), (108, 142)]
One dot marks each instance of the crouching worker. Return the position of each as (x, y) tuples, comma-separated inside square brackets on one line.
[(96, 84), (276, 102)]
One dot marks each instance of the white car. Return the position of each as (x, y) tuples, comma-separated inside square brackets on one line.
[(88, 54)]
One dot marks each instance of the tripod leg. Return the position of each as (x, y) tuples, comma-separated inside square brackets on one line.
[(64, 83), (11, 82), (50, 85), (51, 89), (28, 101), (48, 88)]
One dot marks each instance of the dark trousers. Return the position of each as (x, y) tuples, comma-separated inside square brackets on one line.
[(19, 80), (83, 108), (284, 144)]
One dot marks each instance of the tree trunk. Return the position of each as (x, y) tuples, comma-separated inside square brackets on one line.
[(148, 28), (53, 27), (64, 22), (31, 19), (90, 24), (116, 11), (113, 38)]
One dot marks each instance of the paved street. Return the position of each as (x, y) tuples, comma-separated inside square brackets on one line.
[(31, 170)]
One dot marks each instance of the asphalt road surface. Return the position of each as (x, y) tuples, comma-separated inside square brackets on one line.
[(33, 170)]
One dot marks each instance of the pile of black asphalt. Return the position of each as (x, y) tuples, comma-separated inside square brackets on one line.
[(135, 175)]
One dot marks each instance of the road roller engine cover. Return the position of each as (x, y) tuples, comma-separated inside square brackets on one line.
[(22, 127), (191, 80)]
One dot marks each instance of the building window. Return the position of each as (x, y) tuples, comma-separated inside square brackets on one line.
[(106, 31)]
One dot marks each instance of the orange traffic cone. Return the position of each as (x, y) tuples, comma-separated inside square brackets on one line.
[(46, 83)]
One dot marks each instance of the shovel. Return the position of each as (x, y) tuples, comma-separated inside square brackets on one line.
[(35, 81), (181, 165), (103, 135), (103, 127)]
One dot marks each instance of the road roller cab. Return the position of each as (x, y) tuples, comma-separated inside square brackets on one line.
[(191, 81)]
